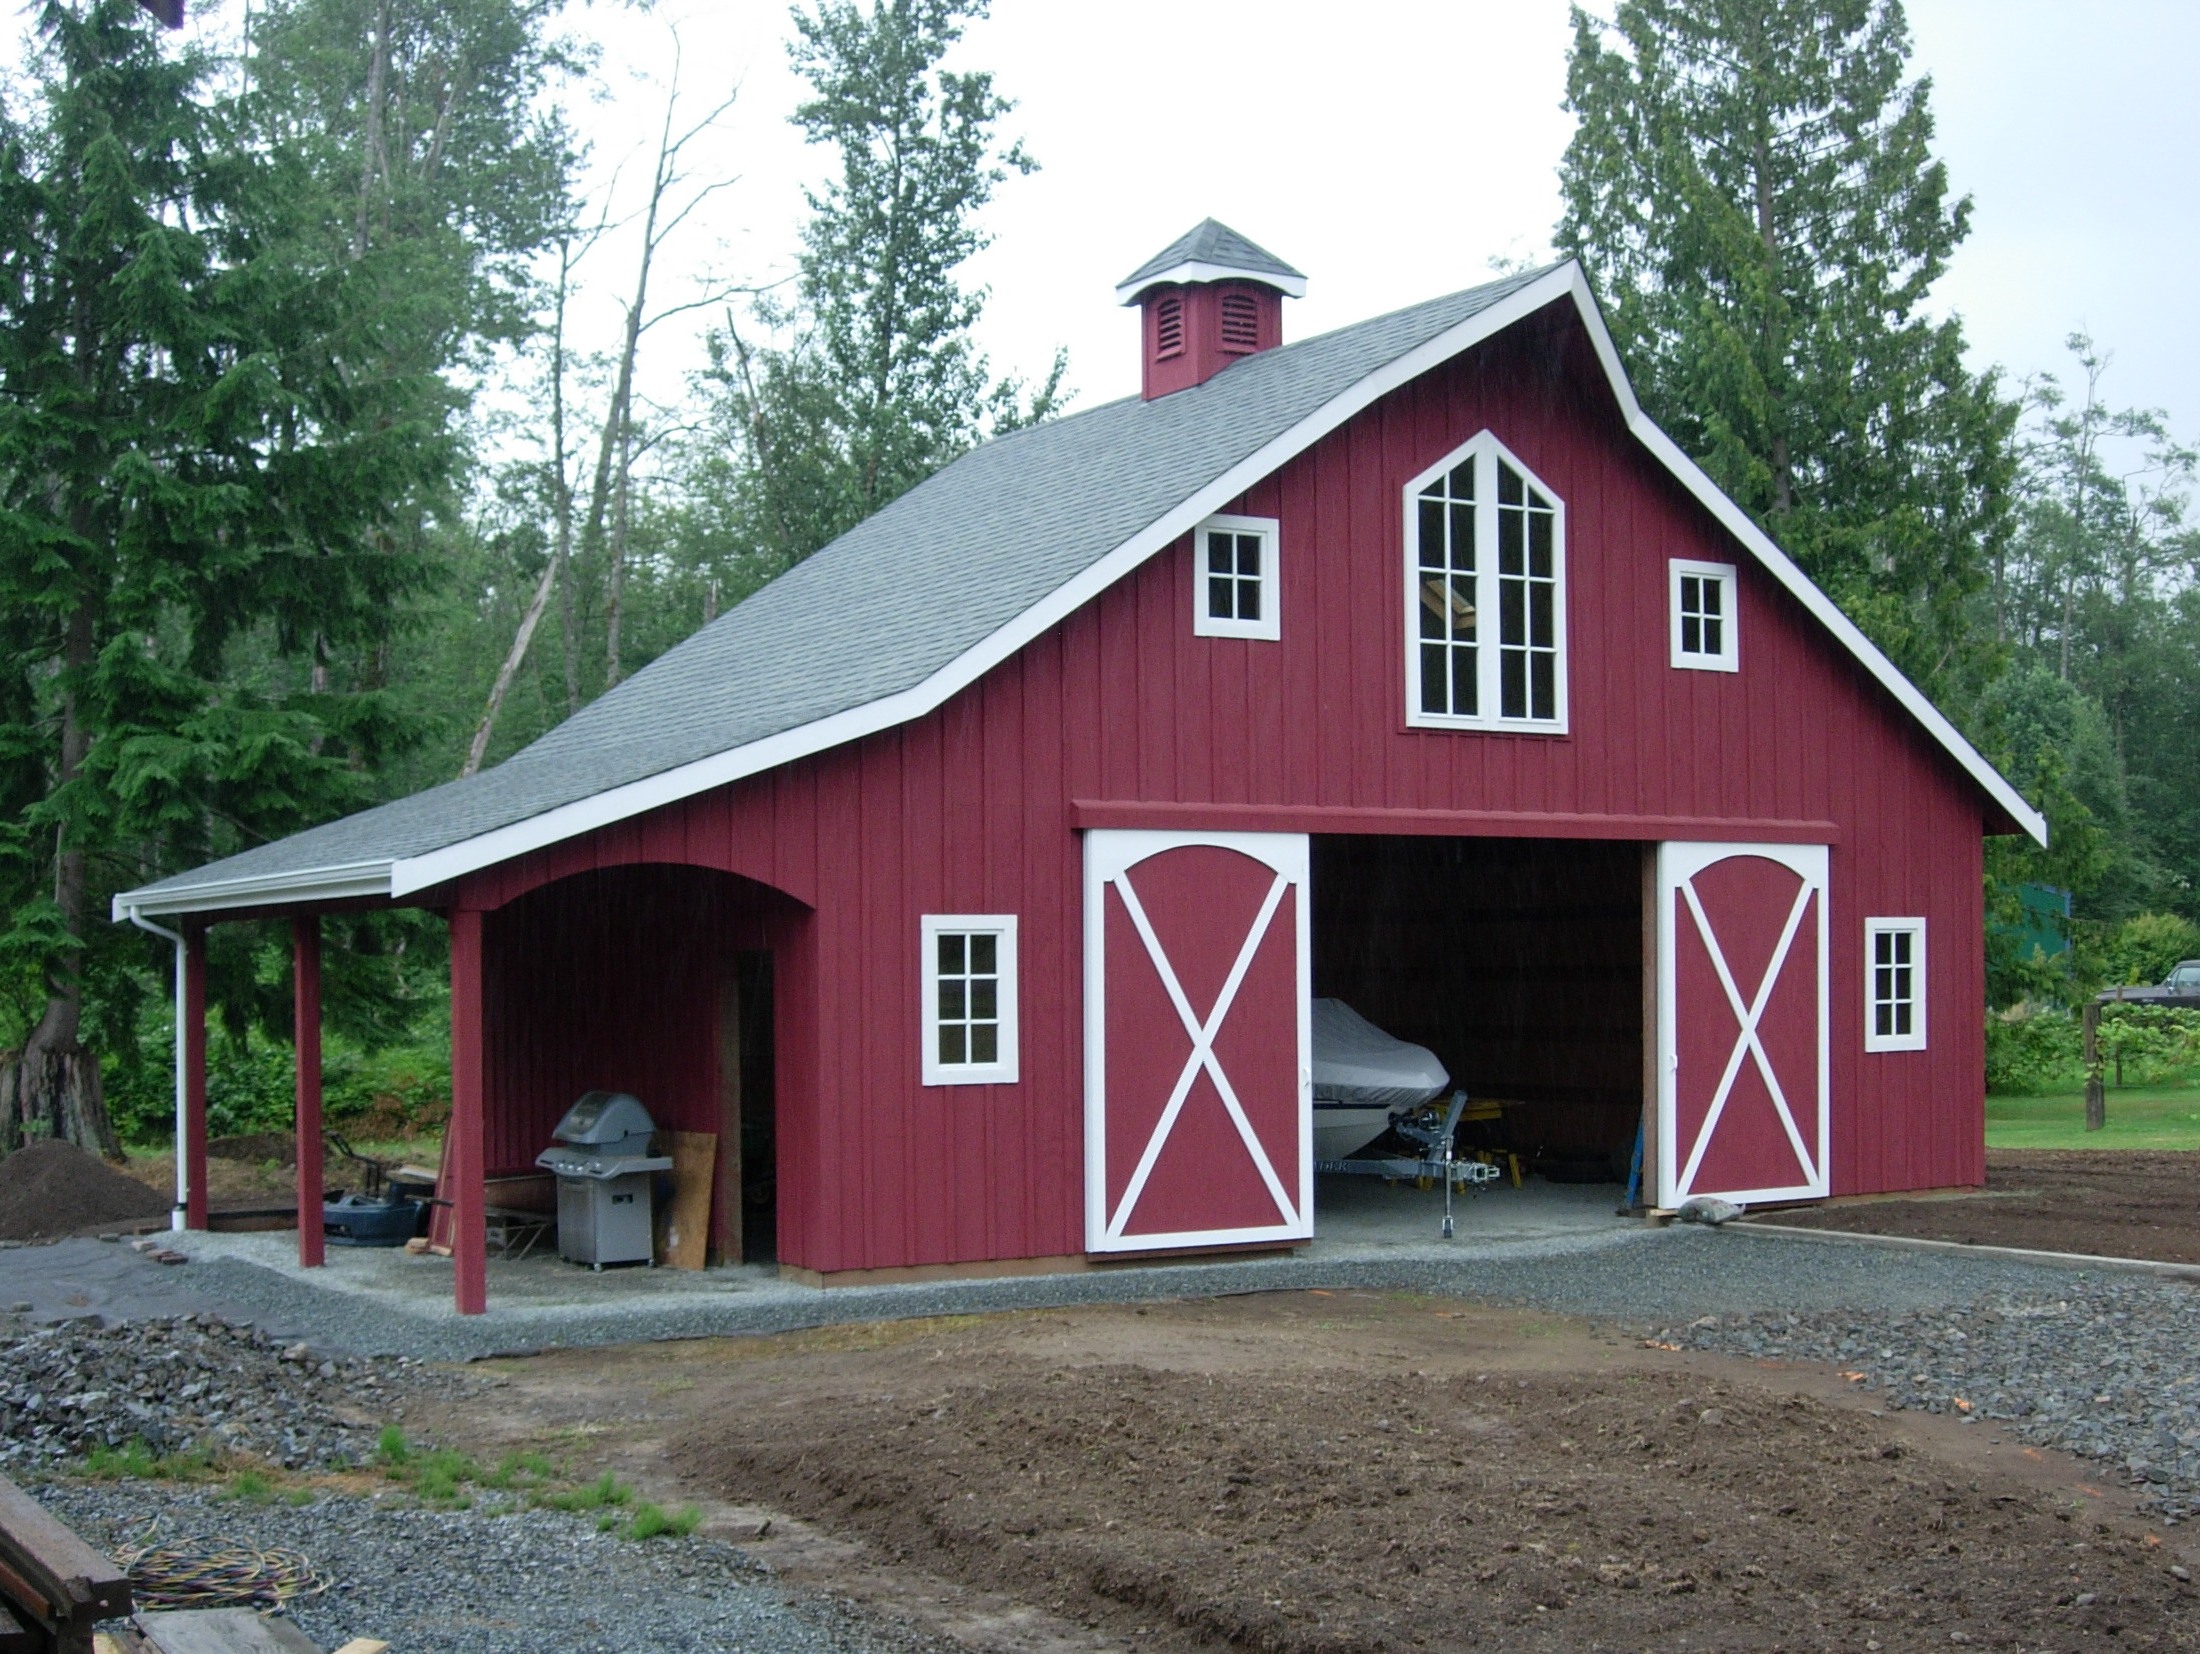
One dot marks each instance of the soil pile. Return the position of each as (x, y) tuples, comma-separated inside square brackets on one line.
[(2112, 1203), (1365, 1511), (48, 1190)]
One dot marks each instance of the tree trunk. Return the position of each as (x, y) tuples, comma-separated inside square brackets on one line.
[(373, 164), (51, 1087), (479, 747)]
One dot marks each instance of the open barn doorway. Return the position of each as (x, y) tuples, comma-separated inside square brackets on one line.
[(1519, 963)]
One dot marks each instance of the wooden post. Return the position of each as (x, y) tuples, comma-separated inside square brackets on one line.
[(193, 1146), (2096, 1100), (305, 944), (726, 1237), (469, 1078)]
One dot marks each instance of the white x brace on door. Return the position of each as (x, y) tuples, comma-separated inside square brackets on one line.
[(1744, 1094), (1198, 1040)]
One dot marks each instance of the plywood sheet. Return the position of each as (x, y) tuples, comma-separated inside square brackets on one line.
[(223, 1631), (683, 1228)]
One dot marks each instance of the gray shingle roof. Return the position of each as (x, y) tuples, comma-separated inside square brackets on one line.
[(1210, 242), (888, 603)]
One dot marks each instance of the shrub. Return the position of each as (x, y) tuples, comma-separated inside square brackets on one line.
[(2143, 949), (2029, 1052)]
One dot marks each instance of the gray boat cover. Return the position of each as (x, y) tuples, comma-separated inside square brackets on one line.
[(1356, 1062)]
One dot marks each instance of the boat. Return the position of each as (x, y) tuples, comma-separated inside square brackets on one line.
[(1363, 1076)]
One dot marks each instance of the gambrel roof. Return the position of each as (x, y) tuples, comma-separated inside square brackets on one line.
[(915, 603)]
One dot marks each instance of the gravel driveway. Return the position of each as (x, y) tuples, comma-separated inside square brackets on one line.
[(2103, 1365), (472, 1583)]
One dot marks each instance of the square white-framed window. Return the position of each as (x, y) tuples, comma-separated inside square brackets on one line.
[(969, 1007), (1894, 984), (1485, 556), (1235, 591), (1705, 638)]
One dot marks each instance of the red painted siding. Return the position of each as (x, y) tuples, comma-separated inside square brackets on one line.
[(1122, 710)]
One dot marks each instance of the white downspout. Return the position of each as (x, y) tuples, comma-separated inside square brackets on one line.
[(183, 1170)]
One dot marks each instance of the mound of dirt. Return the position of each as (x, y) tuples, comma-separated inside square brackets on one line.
[(51, 1189)]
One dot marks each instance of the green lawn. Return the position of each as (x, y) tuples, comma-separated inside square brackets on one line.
[(2162, 1117)]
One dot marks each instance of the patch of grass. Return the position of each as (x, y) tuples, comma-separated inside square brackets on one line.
[(444, 1479), (2142, 1117), (257, 1487), (649, 1521), (134, 1460), (605, 1490)]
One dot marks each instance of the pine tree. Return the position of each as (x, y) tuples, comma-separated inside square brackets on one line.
[(206, 457), (880, 384), (1753, 193)]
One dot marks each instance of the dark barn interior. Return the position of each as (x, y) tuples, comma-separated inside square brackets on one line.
[(1517, 961)]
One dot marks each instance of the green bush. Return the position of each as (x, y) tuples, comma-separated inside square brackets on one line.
[(2032, 1052), (251, 1084), (2143, 949)]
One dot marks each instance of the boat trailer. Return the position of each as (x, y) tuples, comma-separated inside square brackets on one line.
[(1438, 1160)]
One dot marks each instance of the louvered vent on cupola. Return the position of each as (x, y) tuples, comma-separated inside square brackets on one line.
[(1210, 298), (1168, 325), (1240, 323)]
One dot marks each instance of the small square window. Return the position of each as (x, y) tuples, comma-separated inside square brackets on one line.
[(969, 999), (1894, 984), (1703, 617), (1234, 585)]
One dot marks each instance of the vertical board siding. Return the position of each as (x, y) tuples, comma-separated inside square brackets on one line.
[(969, 810)]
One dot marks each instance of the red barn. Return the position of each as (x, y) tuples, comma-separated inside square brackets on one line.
[(973, 881)]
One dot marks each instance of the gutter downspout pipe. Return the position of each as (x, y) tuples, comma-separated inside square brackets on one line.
[(183, 1170)]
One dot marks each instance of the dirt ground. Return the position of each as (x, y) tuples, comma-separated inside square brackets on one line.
[(2111, 1203), (1328, 1472)]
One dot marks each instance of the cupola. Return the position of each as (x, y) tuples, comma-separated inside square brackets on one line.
[(1206, 299)]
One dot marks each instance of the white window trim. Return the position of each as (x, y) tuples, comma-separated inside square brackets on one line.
[(1487, 451), (1269, 627), (1729, 657), (932, 927), (1920, 987)]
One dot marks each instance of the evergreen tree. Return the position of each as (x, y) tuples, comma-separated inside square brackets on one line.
[(880, 384), (1752, 190), (206, 451)]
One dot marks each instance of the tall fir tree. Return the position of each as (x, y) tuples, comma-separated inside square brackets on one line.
[(1752, 190), (203, 444), (879, 383)]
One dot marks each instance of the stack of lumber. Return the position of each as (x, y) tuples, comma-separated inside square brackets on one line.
[(54, 1588)]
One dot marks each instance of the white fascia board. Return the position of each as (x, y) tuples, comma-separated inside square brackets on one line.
[(1799, 585), (1193, 269), (669, 786), (343, 882)]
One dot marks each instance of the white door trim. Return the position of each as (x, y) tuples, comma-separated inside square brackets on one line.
[(1678, 865), (1110, 856)]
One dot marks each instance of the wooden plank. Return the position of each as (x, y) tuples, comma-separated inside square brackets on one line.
[(364, 1645), (683, 1227), (223, 1631), (48, 1571)]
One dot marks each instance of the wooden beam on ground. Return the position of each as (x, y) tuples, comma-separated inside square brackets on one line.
[(305, 940), (223, 1631), (51, 1578)]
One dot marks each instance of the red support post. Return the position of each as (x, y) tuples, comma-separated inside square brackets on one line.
[(469, 1078), (193, 1146), (305, 940)]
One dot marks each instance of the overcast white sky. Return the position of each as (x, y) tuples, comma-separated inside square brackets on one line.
[(1390, 148)]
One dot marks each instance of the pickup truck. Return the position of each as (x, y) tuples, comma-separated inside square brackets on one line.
[(2180, 990)]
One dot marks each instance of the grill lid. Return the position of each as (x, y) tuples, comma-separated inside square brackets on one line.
[(603, 1118)]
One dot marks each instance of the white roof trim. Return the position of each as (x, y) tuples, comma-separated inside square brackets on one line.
[(1197, 269), (321, 884), (408, 875), (1799, 585)]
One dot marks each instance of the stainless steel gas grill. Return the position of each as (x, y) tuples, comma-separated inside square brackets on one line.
[(604, 1171)]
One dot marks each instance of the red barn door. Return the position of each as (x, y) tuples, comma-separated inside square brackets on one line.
[(1199, 1112), (1743, 1095)]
